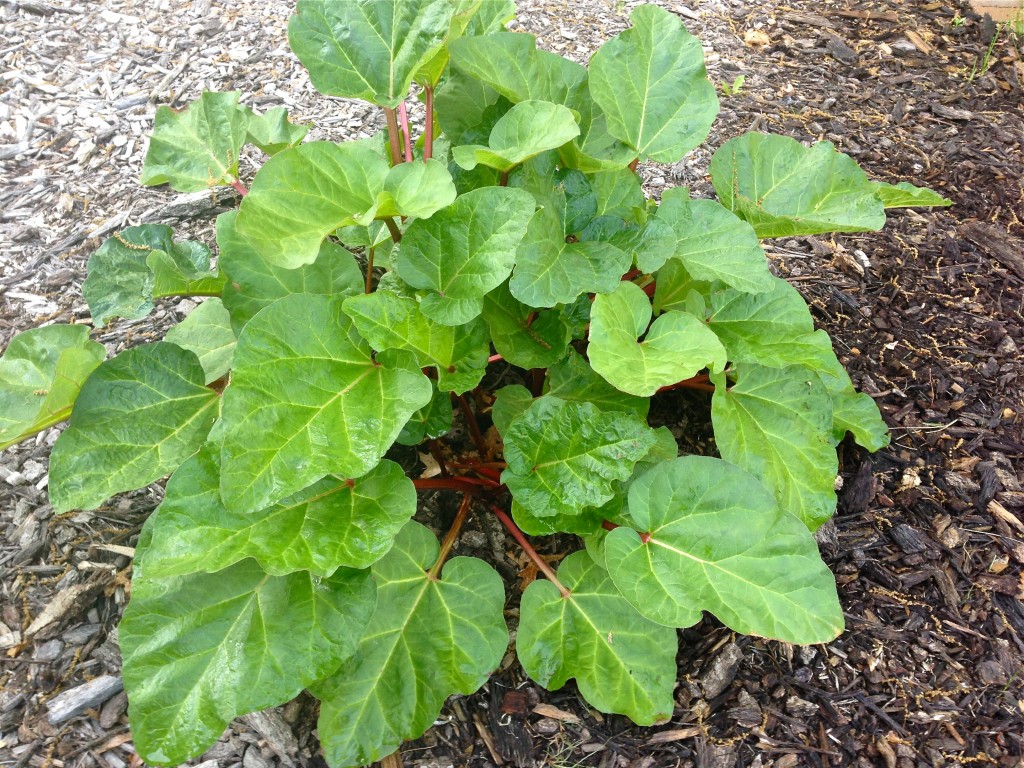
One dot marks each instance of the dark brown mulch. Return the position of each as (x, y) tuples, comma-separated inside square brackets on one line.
[(928, 543)]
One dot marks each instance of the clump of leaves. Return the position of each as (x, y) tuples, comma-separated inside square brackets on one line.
[(362, 293)]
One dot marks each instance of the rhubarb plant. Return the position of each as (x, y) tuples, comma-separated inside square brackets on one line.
[(495, 288)]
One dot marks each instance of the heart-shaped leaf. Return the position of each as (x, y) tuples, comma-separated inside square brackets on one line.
[(138, 416), (784, 188), (777, 424), (307, 399), (429, 638), (525, 131), (521, 335), (622, 662), (368, 49), (202, 648), (574, 379), (677, 346), (416, 189), (207, 333), (564, 456), (715, 540), (197, 148), (41, 373), (464, 251), (651, 84)]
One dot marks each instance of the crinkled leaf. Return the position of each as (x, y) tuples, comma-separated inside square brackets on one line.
[(389, 321), (563, 190), (334, 523), (253, 283), (677, 346), (524, 336), (563, 456), (207, 333), (138, 416), (464, 251), (906, 195), (140, 264), (304, 193), (41, 373), (582, 523), (622, 662), (510, 402), (852, 411), (653, 242), (784, 188), (468, 109), (676, 289), (525, 131), (272, 132), (202, 648), (432, 420), (307, 399), (197, 148), (712, 243), (573, 379), (618, 193), (416, 189), (651, 84), (777, 424), (428, 639), (368, 49), (716, 540)]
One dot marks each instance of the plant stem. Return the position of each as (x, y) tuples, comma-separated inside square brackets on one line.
[(542, 566), (459, 483), (633, 165), (428, 131), (239, 187), (537, 381), (494, 359), (449, 539), (369, 270), (396, 233), (403, 115), (608, 525), (701, 382), (474, 428), (504, 179), (393, 140), (435, 451)]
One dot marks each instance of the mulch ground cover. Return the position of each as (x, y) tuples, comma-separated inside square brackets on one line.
[(928, 541)]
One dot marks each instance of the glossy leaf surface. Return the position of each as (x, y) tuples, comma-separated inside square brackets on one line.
[(521, 335), (525, 131)]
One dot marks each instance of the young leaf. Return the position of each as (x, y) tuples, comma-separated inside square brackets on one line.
[(676, 289), (304, 193), (573, 379), (138, 416), (207, 333), (852, 411), (389, 321), (712, 243), (677, 346), (521, 335), (368, 49), (525, 131), (564, 456), (416, 189), (510, 402), (197, 148), (428, 639), (202, 648), (622, 662), (784, 188), (464, 251), (41, 373), (272, 132), (307, 399), (715, 540), (777, 425), (906, 195), (651, 84), (140, 264), (431, 421), (335, 523), (254, 283)]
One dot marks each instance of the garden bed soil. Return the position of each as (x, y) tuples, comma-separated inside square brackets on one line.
[(928, 541)]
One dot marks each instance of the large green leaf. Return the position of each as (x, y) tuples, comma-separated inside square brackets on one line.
[(774, 328), (524, 336), (574, 379), (368, 49), (464, 251), (653, 242), (525, 131), (41, 372), (716, 540), (389, 321), (307, 399), (712, 243), (563, 456), (197, 148), (140, 264), (202, 648), (334, 523), (304, 193), (138, 416), (677, 346), (253, 283), (651, 84), (906, 195), (272, 132), (777, 424), (416, 189), (784, 188), (428, 639), (207, 333), (622, 662)]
